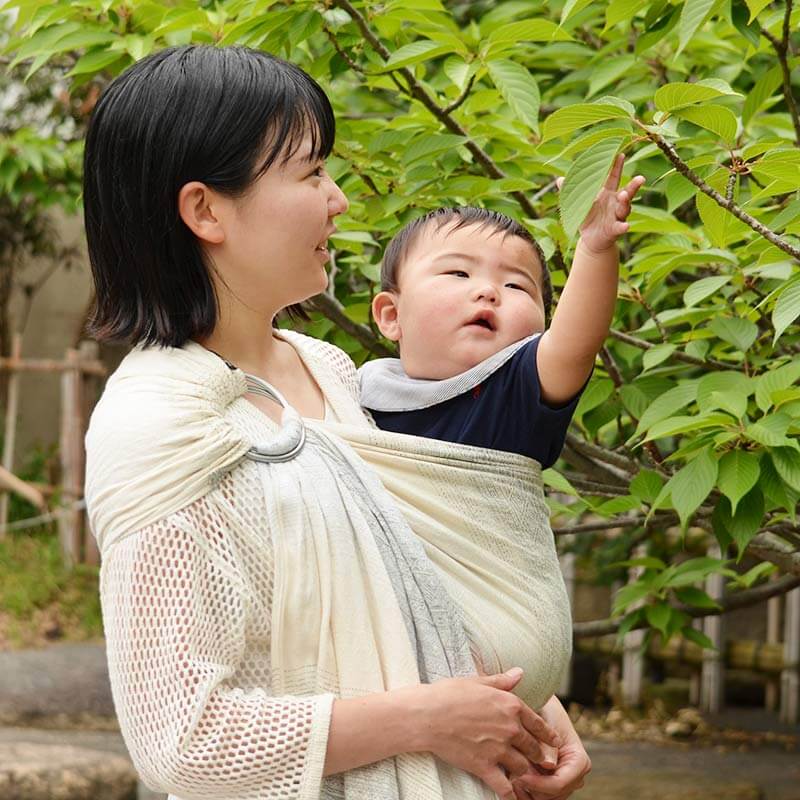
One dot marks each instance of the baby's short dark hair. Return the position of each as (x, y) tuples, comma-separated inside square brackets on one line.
[(462, 217)]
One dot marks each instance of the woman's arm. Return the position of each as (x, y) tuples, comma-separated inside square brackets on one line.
[(475, 724)]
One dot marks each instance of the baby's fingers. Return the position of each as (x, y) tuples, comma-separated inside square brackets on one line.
[(633, 187)]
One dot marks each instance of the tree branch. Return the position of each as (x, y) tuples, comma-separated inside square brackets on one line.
[(729, 205), (781, 47), (770, 547), (416, 90), (333, 310), (461, 98), (677, 355), (745, 599)]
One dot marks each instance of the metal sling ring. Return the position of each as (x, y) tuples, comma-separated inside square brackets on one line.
[(292, 436)]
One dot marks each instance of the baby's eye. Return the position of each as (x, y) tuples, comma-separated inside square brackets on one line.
[(516, 286), (459, 273)]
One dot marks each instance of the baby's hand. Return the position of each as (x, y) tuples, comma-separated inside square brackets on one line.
[(605, 222)]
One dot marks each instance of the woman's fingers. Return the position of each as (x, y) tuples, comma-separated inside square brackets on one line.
[(538, 728), (515, 763), (499, 783)]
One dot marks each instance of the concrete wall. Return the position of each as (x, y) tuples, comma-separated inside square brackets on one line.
[(52, 327)]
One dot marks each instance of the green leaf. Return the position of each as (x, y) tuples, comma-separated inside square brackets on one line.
[(667, 404), (683, 424), (646, 485), (691, 485), (414, 53), (787, 464), (764, 88), (572, 7), (673, 96), (519, 89), (608, 71), (692, 596), (693, 15), (94, 62), (756, 7), (774, 380), (698, 637), (529, 30), (583, 181), (700, 289), (629, 594), (596, 393), (659, 616), (720, 225), (741, 333), (770, 430), (725, 390), (648, 562), (622, 10), (738, 474), (568, 120), (745, 523), (717, 119), (555, 480), (787, 309), (655, 355), (430, 144)]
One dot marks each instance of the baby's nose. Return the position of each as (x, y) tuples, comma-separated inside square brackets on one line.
[(487, 293)]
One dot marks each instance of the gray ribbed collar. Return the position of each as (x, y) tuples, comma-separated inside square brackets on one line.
[(386, 387)]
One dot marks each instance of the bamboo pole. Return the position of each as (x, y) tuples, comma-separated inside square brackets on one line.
[(71, 448), (567, 561), (712, 674), (633, 658), (10, 430), (774, 609), (89, 366), (90, 352), (790, 676)]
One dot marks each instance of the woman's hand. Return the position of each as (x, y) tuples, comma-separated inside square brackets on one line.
[(478, 725), (573, 762)]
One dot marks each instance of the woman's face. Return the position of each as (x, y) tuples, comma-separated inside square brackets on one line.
[(275, 244)]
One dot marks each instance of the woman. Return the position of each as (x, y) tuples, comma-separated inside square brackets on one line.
[(256, 579)]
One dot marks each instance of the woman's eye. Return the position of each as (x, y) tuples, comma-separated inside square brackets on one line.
[(318, 171)]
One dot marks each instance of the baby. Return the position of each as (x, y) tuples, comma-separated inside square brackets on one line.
[(465, 294)]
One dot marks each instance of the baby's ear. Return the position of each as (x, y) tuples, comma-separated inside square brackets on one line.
[(384, 312)]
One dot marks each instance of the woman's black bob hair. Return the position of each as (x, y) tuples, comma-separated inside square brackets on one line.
[(221, 116)]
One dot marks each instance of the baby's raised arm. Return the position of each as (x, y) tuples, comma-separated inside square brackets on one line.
[(568, 348)]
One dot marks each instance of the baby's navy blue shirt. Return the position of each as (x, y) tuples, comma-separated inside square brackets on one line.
[(505, 412)]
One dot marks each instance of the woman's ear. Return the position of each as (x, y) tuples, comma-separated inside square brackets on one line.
[(197, 205), (384, 312)]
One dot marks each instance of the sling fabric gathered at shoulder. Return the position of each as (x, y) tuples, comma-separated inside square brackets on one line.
[(360, 602)]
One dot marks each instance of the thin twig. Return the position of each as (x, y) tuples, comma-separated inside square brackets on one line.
[(745, 599), (729, 205), (461, 98), (677, 355), (781, 47), (416, 90), (333, 310)]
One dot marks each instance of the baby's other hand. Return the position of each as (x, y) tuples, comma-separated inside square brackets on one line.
[(605, 222)]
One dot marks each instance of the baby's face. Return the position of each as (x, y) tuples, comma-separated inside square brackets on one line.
[(464, 295)]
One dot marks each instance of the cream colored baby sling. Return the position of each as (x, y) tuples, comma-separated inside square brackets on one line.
[(349, 573)]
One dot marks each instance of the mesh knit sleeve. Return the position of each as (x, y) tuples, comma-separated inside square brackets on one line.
[(188, 651)]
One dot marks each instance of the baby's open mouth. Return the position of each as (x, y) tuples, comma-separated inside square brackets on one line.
[(484, 323), (484, 320)]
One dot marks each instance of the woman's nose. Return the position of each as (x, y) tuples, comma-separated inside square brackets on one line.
[(337, 202)]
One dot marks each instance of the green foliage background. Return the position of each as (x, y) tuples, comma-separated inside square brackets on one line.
[(688, 432)]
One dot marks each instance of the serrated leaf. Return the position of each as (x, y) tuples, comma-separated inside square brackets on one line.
[(619, 10), (787, 309), (658, 616), (693, 14), (529, 30), (416, 52), (519, 89), (673, 96), (596, 393), (738, 474), (691, 485), (775, 380), (655, 355), (555, 480), (787, 464), (646, 485), (607, 71), (430, 144), (572, 7), (756, 7), (568, 120), (683, 424), (770, 430), (699, 290), (583, 181), (741, 333), (735, 385), (717, 119), (667, 404), (742, 526), (763, 89)]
